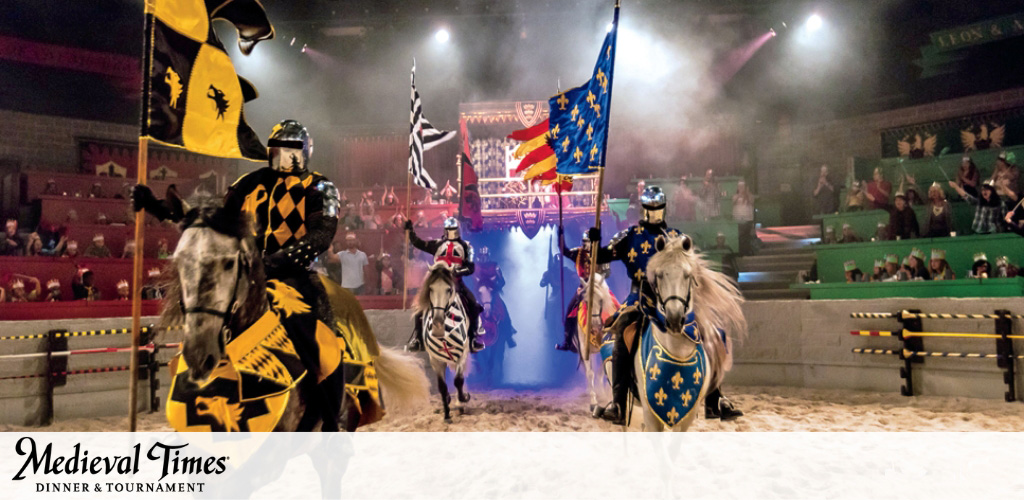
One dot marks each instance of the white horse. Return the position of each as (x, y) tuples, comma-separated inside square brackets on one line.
[(684, 350), (445, 332), (589, 328)]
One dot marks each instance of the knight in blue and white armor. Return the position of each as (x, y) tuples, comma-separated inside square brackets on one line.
[(457, 254), (634, 247)]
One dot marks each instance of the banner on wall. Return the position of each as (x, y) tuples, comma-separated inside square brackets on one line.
[(959, 135), (107, 158)]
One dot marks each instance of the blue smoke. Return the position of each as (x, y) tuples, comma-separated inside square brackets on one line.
[(536, 312)]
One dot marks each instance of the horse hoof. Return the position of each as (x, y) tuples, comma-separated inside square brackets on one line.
[(464, 398), (596, 411), (447, 420)]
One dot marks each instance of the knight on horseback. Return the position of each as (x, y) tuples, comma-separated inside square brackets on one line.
[(634, 247), (457, 254), (581, 258), (295, 214)]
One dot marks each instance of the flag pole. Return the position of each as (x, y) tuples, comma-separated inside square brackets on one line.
[(594, 245), (405, 251), (558, 252), (140, 222)]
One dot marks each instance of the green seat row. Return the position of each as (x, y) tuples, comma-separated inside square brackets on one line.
[(992, 287), (959, 253)]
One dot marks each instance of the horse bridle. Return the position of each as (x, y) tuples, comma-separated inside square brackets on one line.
[(233, 304), (663, 303)]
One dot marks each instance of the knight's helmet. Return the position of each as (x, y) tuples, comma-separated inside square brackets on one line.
[(653, 201), (451, 228), (289, 135)]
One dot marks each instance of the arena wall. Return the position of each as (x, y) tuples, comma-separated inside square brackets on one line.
[(791, 343)]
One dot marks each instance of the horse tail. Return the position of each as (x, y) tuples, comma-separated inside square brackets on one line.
[(403, 383)]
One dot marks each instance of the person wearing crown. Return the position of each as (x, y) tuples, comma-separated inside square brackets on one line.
[(940, 214), (123, 290), (989, 207), (18, 292), (53, 293), (980, 268)]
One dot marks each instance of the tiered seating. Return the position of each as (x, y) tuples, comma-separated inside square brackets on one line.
[(107, 271), (865, 223)]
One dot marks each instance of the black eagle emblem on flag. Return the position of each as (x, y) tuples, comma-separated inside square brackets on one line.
[(195, 98)]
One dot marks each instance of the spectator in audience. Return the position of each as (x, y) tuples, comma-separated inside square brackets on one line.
[(83, 285), (684, 203), (849, 235), (968, 177), (938, 266), (349, 220), (881, 232), (916, 267), (892, 268), (395, 223), (830, 236), (940, 214), (1006, 172), (3, 295), (387, 276), (633, 210), (71, 249), (98, 248), (367, 208), (13, 243), (101, 219), (53, 291), (96, 191), (54, 237), (388, 199), (710, 196), (909, 187), (878, 271), (161, 249), (153, 289), (743, 213), (353, 262), (51, 188), (1004, 269), (824, 193), (1014, 219), (123, 290), (980, 268), (853, 274), (129, 249), (421, 219), (902, 220), (855, 199), (34, 245), (18, 293), (988, 213), (125, 193), (729, 267), (878, 190)]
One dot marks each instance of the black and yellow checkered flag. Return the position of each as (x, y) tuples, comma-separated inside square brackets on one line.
[(193, 94)]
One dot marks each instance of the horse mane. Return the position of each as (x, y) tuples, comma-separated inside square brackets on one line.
[(212, 214), (436, 272), (716, 303)]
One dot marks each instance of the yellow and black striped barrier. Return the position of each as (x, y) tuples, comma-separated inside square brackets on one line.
[(88, 333), (912, 336)]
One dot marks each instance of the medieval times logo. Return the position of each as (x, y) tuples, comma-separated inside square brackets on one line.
[(78, 464)]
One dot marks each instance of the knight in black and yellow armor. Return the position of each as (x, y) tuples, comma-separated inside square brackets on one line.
[(296, 215), (634, 247)]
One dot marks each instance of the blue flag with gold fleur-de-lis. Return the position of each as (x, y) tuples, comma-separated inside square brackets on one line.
[(579, 117)]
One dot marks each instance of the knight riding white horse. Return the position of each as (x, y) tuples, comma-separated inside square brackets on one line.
[(442, 313)]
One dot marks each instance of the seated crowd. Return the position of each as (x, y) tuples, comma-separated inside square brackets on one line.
[(914, 267)]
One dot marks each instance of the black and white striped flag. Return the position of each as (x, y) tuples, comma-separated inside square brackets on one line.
[(422, 137)]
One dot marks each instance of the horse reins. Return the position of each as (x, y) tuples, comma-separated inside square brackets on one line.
[(233, 304)]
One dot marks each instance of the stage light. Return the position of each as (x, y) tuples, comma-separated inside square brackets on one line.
[(293, 41), (814, 23), (442, 35), (772, 32), (303, 48)]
